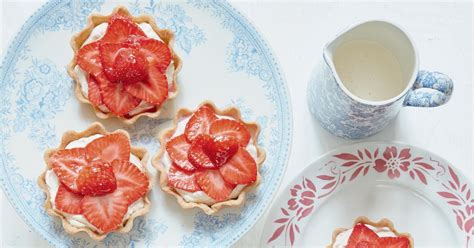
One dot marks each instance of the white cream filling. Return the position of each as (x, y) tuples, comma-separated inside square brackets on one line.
[(343, 237), (201, 196), (78, 220), (96, 34)]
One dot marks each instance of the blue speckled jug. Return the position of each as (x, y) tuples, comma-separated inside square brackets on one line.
[(347, 115)]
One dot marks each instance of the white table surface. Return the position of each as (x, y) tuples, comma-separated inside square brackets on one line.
[(297, 32)]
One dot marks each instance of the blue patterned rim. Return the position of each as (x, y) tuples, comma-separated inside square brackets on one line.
[(284, 122)]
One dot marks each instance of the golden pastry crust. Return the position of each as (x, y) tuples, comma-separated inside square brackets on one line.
[(68, 137), (379, 224), (165, 35), (166, 134)]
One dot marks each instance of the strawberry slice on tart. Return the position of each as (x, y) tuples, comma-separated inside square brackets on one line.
[(180, 179), (209, 157), (363, 236), (366, 233), (96, 175), (123, 70)]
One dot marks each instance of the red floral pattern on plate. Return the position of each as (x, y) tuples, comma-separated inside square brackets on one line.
[(392, 162), (395, 162), (459, 196), (300, 206)]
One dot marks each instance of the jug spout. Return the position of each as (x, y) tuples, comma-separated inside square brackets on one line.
[(327, 55)]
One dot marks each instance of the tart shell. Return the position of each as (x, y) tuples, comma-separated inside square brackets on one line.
[(68, 137), (379, 224), (165, 35), (166, 134)]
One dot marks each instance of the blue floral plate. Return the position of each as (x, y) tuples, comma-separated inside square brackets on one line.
[(224, 60)]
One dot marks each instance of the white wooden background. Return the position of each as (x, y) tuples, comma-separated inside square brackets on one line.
[(297, 32)]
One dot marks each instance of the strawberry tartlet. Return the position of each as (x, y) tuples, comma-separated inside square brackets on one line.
[(96, 182), (366, 233), (124, 66), (209, 158)]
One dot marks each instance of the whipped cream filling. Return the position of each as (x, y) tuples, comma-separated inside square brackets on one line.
[(97, 33), (201, 196), (343, 237), (78, 220)]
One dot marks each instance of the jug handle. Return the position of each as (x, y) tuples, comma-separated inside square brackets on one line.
[(431, 89)]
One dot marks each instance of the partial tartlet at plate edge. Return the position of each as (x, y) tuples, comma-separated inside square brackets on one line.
[(70, 136), (166, 135), (383, 223), (165, 35)]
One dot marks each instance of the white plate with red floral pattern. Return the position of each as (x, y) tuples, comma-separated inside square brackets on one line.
[(421, 193)]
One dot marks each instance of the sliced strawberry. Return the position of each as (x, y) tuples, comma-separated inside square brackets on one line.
[(88, 58), (67, 201), (105, 212), (130, 180), (94, 91), (67, 164), (199, 122), (108, 148), (212, 183), (366, 244), (130, 66), (108, 54), (226, 127), (240, 169), (196, 154), (182, 180), (221, 148), (119, 29), (157, 51), (199, 158), (116, 98), (154, 90), (394, 242), (177, 149), (123, 63), (202, 140), (96, 179), (363, 235)]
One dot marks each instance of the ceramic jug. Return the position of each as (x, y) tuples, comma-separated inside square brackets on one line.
[(355, 108)]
